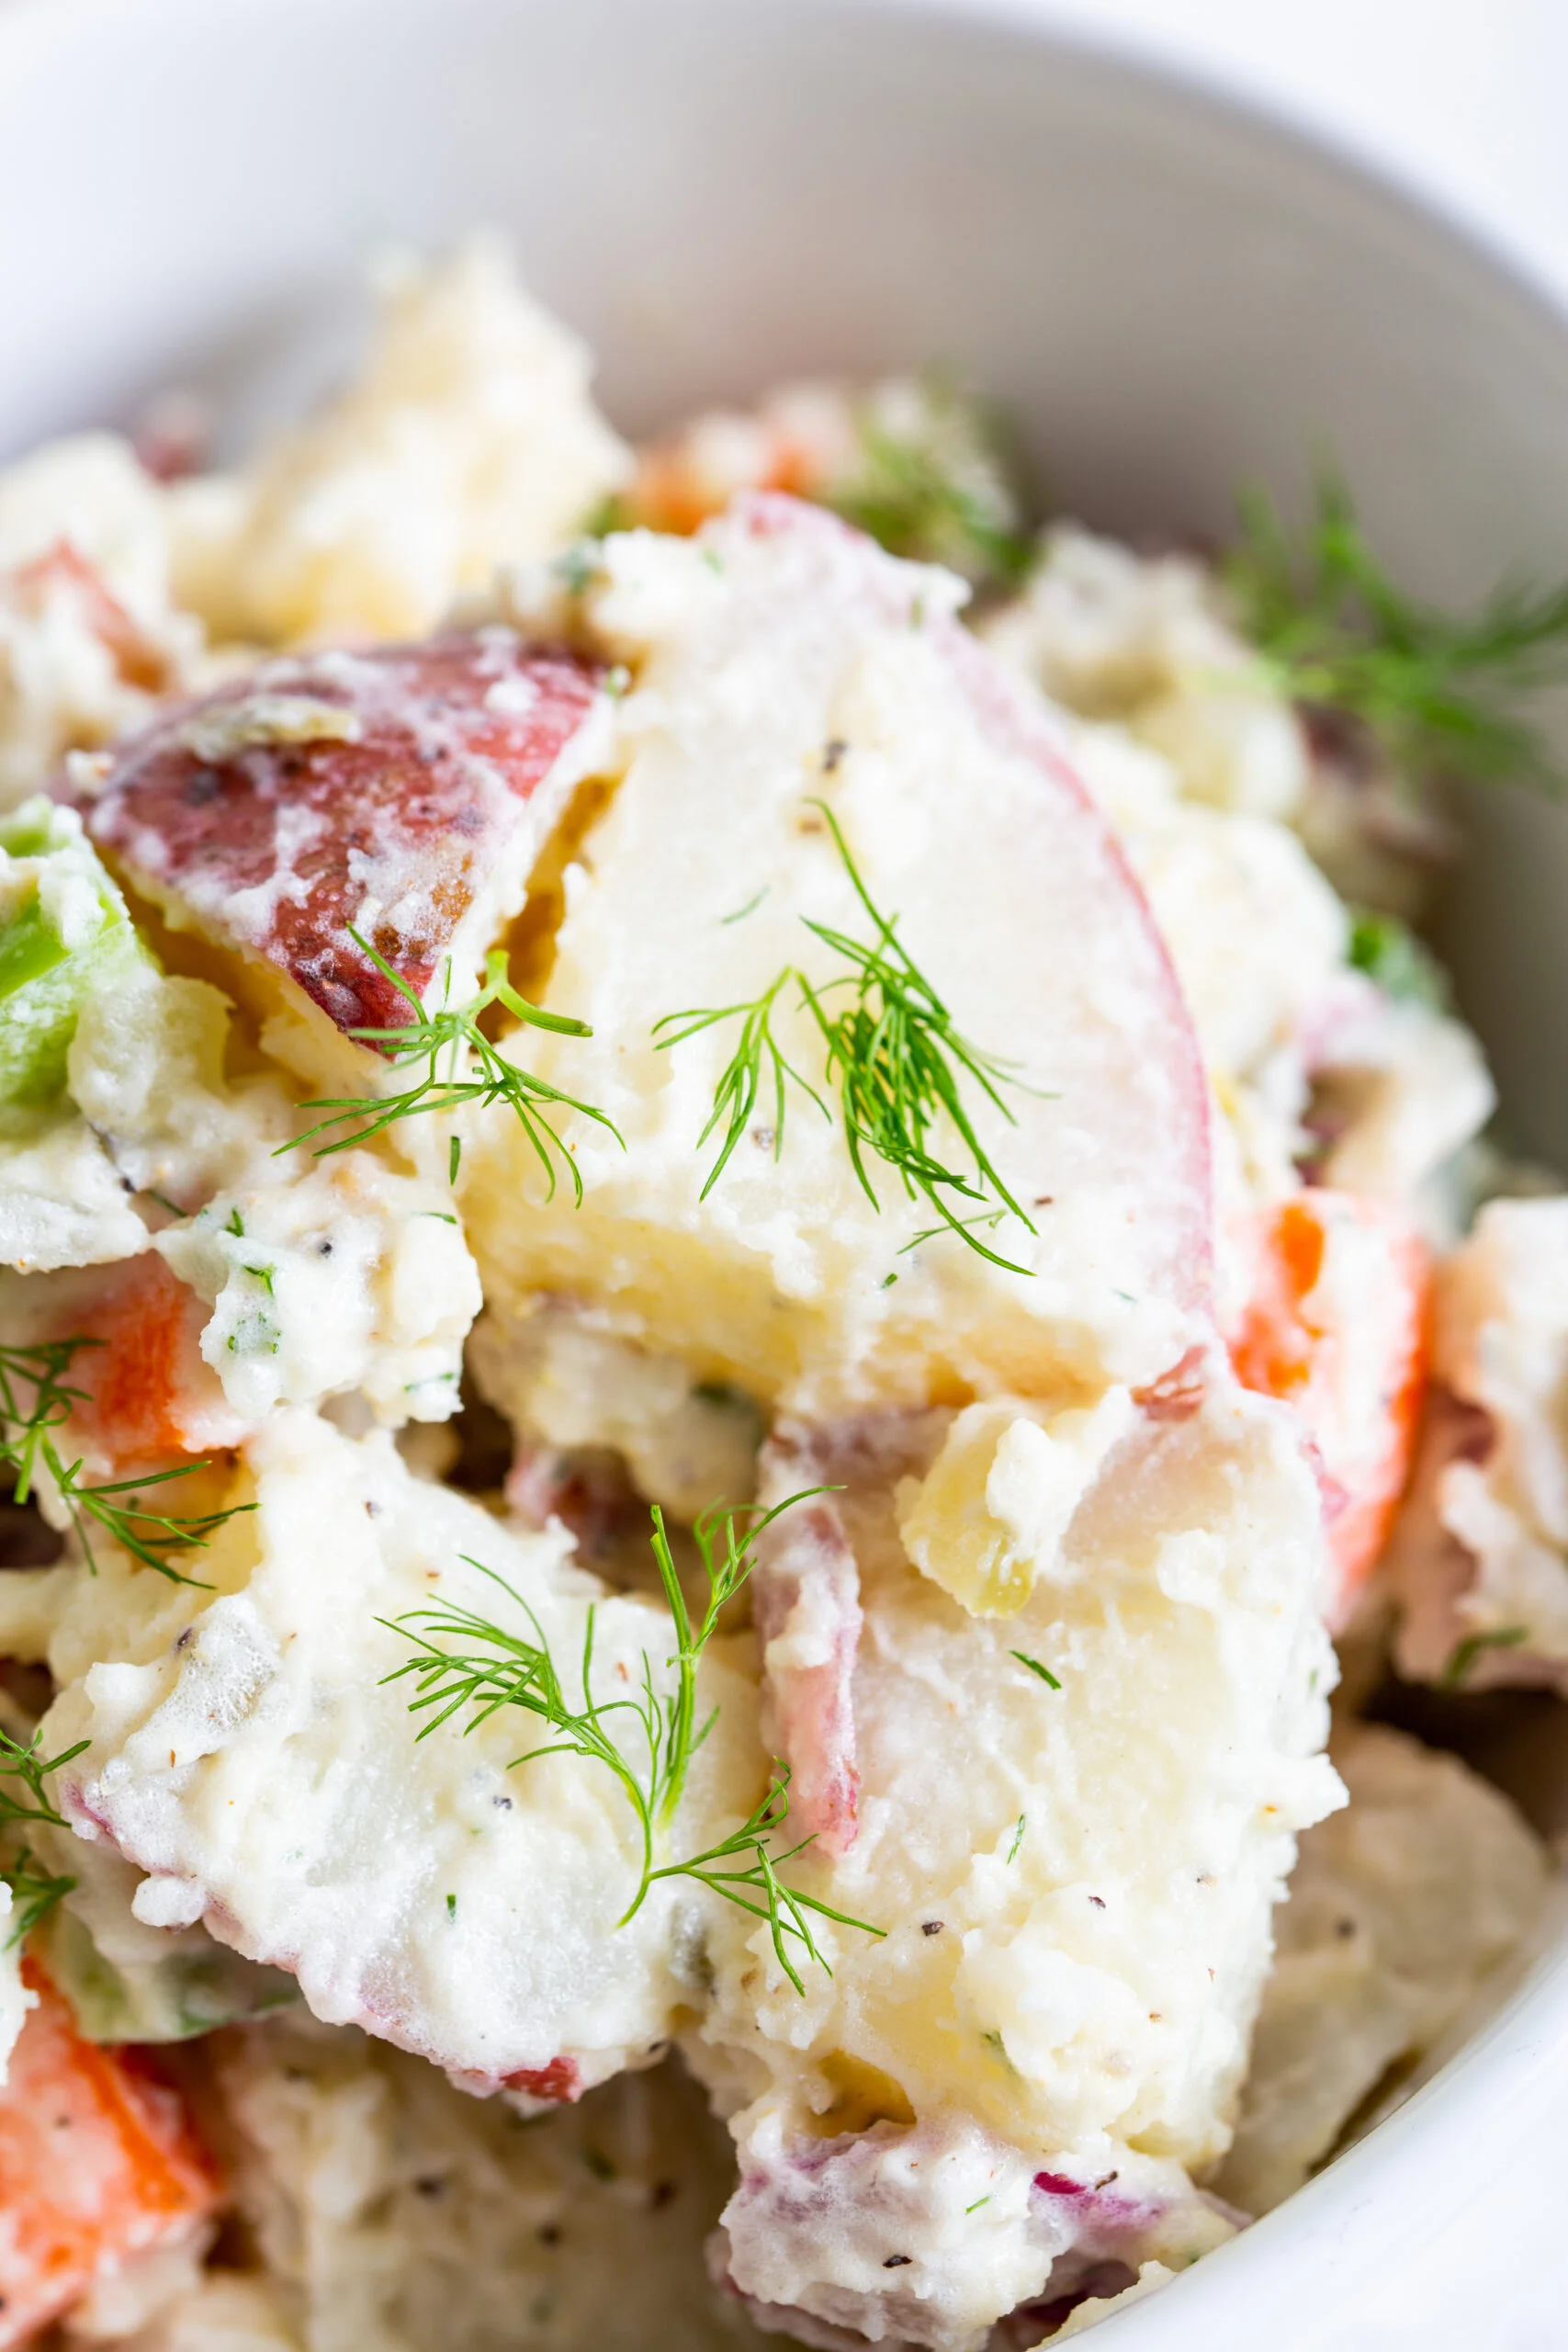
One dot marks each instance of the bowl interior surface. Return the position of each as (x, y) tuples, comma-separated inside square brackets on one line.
[(1167, 295)]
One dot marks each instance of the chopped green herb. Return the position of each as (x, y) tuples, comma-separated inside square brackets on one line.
[(448, 1041), (1389, 953), (487, 1668), (1035, 1668), (257, 1335), (894, 1058), (726, 1396), (1441, 696), (1017, 1835), (609, 514), (451, 1907), (976, 2205), (236, 1224), (598, 2164), (576, 566), (1463, 1657), (264, 1275), (749, 909)]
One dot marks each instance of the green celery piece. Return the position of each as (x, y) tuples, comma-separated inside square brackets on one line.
[(44, 982), (174, 1998)]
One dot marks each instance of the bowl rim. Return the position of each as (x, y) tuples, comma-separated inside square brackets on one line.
[(1328, 2242)]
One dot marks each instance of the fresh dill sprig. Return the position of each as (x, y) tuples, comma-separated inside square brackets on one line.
[(464, 1660), (34, 1892), (27, 1449), (932, 489), (22, 1762), (1439, 695), (461, 1066), (758, 1888), (740, 1081), (894, 1058)]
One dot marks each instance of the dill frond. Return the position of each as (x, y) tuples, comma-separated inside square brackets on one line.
[(34, 1893), (931, 487), (756, 1051), (27, 1449), (23, 1799), (896, 1059), (1439, 695), (23, 1763), (464, 1661), (461, 1066)]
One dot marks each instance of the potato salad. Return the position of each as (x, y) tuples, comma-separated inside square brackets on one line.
[(739, 1241)]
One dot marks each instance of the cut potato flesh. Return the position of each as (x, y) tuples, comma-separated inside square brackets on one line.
[(786, 671), (249, 1755), (1074, 1823)]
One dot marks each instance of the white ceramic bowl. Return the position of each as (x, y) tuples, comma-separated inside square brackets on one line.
[(1168, 293)]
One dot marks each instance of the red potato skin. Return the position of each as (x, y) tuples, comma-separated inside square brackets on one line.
[(560, 2082), (391, 834), (806, 1569), (98, 2163)]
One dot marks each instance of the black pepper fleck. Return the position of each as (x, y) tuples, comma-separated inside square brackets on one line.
[(898, 2261), (931, 1927)]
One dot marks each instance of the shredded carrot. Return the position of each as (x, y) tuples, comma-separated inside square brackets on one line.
[(1352, 1361), (139, 1379), (98, 2163)]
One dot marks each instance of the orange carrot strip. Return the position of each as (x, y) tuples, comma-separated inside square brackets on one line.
[(98, 2163), (1337, 1327)]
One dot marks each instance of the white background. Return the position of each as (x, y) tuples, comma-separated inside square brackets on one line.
[(1468, 99)]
